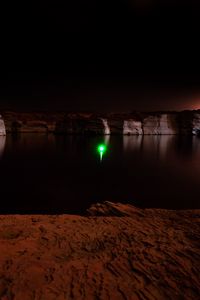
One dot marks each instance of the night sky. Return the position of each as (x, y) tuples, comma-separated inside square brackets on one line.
[(101, 55)]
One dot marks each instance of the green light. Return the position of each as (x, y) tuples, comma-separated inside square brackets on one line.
[(101, 149)]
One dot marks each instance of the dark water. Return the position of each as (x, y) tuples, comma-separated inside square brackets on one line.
[(49, 174)]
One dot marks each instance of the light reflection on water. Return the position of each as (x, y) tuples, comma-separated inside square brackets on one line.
[(47, 173), (152, 145), (162, 145), (2, 145), (106, 139)]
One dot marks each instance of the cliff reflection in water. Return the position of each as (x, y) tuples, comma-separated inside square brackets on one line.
[(2, 145), (161, 146), (45, 173)]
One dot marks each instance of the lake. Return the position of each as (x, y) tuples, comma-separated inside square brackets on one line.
[(42, 173)]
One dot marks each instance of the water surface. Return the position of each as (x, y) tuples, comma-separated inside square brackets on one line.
[(63, 174)]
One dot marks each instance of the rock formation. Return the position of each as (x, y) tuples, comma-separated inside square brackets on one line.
[(185, 122), (2, 126), (160, 124), (81, 124), (152, 123), (106, 126), (16, 122), (196, 124), (132, 127), (116, 252)]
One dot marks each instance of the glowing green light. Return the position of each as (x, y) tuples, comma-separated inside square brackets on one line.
[(101, 149)]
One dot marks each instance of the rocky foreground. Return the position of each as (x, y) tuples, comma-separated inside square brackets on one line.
[(115, 252)]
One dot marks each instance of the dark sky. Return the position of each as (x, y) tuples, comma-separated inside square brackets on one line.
[(101, 55)]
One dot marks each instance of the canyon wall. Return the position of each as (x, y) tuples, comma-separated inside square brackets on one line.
[(136, 123), (196, 124), (2, 126)]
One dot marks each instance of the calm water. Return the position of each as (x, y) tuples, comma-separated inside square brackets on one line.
[(45, 173)]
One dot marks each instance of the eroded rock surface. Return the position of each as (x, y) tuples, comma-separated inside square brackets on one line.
[(196, 124), (132, 127), (136, 123), (126, 253), (2, 127), (160, 124), (17, 122)]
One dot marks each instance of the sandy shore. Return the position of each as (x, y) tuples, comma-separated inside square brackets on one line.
[(116, 252)]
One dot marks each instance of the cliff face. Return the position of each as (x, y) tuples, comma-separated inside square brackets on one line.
[(2, 127), (116, 252), (196, 124), (155, 123), (31, 122), (84, 124), (132, 126), (160, 124)]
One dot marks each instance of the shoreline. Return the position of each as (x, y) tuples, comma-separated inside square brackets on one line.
[(135, 123)]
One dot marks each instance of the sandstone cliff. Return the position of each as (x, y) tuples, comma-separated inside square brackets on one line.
[(152, 123), (2, 126), (116, 252)]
